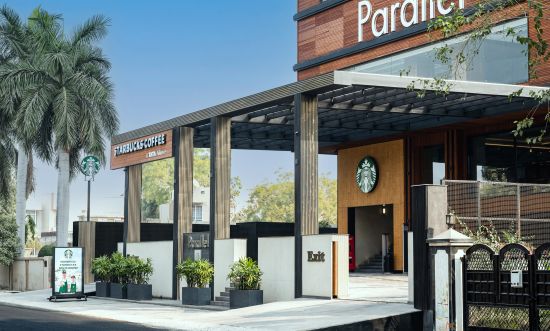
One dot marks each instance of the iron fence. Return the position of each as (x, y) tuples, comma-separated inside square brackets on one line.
[(493, 301), (511, 207)]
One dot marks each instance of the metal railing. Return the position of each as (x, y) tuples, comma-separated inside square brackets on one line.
[(512, 207)]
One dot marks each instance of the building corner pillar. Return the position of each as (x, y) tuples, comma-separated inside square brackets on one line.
[(306, 148)]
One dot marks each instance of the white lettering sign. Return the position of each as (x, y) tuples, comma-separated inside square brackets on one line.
[(142, 144), (384, 20)]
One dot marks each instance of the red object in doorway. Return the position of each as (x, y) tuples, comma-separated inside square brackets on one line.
[(351, 253)]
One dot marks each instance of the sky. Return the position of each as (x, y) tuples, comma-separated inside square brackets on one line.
[(173, 57)]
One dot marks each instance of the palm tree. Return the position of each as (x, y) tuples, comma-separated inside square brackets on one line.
[(15, 43), (65, 98)]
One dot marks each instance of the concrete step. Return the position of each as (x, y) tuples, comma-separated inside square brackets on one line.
[(222, 299), (227, 289), (220, 303), (224, 294)]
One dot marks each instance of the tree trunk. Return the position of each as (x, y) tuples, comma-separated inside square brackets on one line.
[(21, 195), (62, 217)]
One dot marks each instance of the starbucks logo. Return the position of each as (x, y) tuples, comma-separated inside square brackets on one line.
[(367, 174), (68, 254)]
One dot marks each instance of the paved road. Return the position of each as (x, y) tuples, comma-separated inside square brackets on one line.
[(24, 319)]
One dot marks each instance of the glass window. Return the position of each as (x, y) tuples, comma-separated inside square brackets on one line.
[(197, 212), (157, 190), (503, 158), (433, 164), (500, 59)]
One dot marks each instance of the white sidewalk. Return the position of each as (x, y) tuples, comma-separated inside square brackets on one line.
[(303, 314)]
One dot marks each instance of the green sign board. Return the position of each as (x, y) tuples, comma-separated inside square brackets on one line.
[(367, 175), (90, 165)]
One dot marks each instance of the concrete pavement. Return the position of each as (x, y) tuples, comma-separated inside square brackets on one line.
[(302, 314)]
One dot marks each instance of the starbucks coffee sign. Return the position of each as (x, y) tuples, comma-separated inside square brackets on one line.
[(145, 149), (402, 13), (366, 175)]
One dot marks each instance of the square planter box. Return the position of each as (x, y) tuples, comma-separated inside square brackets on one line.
[(245, 298), (118, 291), (140, 292), (102, 289), (195, 296)]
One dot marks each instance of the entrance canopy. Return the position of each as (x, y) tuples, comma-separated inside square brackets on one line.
[(352, 108)]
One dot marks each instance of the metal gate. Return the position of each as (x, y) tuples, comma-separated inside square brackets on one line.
[(507, 291)]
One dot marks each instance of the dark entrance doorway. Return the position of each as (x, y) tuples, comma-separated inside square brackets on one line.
[(372, 231)]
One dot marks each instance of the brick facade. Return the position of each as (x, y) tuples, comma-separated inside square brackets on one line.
[(336, 28)]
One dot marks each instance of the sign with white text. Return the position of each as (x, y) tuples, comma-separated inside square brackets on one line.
[(68, 272)]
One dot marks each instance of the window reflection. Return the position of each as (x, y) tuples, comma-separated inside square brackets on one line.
[(500, 59)]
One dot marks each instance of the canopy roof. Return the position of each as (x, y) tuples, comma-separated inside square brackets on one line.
[(353, 107)]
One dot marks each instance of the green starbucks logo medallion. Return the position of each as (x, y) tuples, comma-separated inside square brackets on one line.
[(367, 175)]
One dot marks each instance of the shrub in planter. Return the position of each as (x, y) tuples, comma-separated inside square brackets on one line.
[(101, 269), (119, 276), (247, 277), (139, 271), (197, 274)]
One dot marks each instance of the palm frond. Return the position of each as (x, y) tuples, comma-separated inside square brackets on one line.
[(94, 29)]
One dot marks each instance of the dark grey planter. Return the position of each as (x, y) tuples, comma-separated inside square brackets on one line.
[(140, 292), (245, 298), (118, 291), (102, 289), (195, 296)]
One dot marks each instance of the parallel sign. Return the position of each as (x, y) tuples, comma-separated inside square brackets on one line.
[(146, 149)]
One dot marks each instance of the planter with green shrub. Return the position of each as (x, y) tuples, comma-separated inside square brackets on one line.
[(101, 269), (197, 274), (119, 276), (246, 276), (139, 271)]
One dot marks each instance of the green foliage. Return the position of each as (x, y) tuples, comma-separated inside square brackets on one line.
[(101, 268), (9, 242), (274, 201), (122, 270), (118, 268), (30, 229), (158, 182), (56, 84), (245, 274), (138, 270), (157, 186), (490, 236), (46, 250), (196, 273)]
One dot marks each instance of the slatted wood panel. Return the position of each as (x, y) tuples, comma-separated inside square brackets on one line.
[(390, 189), (185, 210), (134, 204), (220, 165), (142, 156), (86, 239), (306, 124)]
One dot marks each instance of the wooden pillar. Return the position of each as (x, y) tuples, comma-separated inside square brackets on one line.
[(86, 239), (134, 204), (220, 180), (183, 195), (306, 149)]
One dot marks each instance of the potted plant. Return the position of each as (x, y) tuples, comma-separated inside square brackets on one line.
[(197, 274), (139, 272), (118, 269), (102, 271), (246, 277)]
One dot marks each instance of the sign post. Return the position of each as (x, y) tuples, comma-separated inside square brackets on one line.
[(89, 166), (68, 273)]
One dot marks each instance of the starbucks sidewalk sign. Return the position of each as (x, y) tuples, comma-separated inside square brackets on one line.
[(68, 273), (89, 166)]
